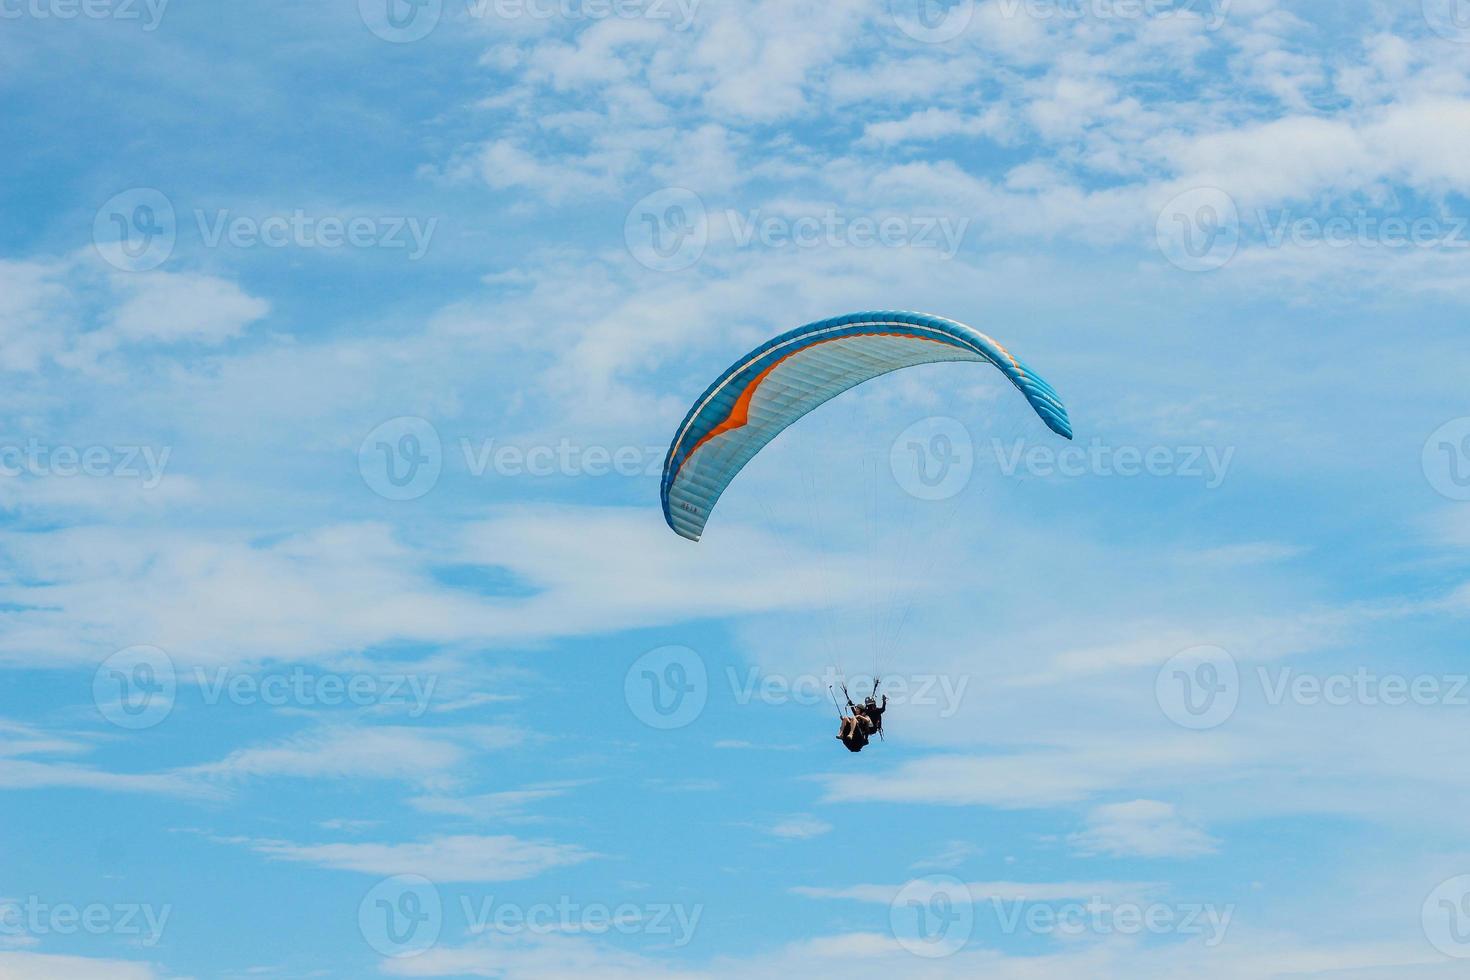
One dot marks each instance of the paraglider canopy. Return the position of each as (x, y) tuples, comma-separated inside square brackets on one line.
[(788, 376)]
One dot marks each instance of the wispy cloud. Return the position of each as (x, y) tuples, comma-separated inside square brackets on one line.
[(50, 966), (801, 826), (415, 755), (1142, 828), (459, 858)]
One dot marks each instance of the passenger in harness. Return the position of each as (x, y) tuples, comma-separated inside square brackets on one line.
[(852, 732), (866, 720)]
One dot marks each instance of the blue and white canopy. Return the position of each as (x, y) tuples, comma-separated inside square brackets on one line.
[(790, 375)]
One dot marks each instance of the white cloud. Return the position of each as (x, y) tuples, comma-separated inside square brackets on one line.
[(501, 805), (1249, 553), (1142, 828), (74, 310), (933, 124), (951, 856), (429, 758), (980, 892), (459, 858), (877, 955), (33, 313), (22, 740), (1065, 773), (802, 826), (18, 774), (46, 966), (163, 308), (426, 756), (220, 598)]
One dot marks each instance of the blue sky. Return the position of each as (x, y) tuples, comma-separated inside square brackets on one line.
[(343, 636)]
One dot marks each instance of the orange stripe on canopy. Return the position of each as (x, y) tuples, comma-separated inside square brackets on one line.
[(740, 411)]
